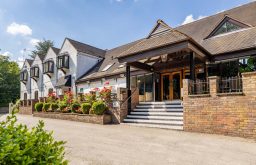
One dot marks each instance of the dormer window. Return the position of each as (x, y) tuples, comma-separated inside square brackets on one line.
[(48, 67), (227, 25), (34, 72), (63, 62), (24, 76)]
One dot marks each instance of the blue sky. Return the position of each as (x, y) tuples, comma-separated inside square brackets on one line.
[(101, 23)]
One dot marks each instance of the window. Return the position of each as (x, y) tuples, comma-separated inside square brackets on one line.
[(48, 67), (107, 67), (24, 75), (63, 62), (34, 72), (227, 27)]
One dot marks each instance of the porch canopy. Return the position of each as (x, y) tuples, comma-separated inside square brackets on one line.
[(164, 48)]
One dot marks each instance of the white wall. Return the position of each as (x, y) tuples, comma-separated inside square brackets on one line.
[(85, 63), (50, 82), (68, 48), (114, 83), (37, 85), (79, 63), (25, 88)]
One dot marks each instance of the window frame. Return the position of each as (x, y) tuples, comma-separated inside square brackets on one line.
[(64, 61), (47, 68)]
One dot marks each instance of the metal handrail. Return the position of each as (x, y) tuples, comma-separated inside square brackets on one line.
[(198, 87), (230, 85)]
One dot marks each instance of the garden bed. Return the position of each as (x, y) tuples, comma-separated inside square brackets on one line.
[(86, 118)]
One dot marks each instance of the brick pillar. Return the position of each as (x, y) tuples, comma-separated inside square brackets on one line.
[(213, 85), (185, 88), (33, 102), (249, 83)]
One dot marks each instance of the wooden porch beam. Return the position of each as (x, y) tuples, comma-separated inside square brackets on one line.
[(142, 66)]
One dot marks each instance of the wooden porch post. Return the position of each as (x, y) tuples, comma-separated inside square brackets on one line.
[(192, 66), (128, 86)]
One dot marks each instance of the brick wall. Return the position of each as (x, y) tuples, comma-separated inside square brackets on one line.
[(120, 113), (233, 115)]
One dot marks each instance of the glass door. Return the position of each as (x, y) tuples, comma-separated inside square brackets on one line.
[(176, 85), (171, 86), (166, 87)]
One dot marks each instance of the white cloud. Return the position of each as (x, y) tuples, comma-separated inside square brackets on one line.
[(20, 61), (16, 29), (34, 41), (7, 54), (190, 18), (119, 0)]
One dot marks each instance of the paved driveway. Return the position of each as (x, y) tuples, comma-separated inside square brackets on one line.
[(120, 144)]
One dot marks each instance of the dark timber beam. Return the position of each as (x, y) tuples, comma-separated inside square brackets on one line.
[(192, 65), (152, 53), (128, 86), (142, 66)]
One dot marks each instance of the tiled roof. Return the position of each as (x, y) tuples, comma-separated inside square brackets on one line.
[(167, 38), (197, 31), (84, 48), (56, 50), (30, 61)]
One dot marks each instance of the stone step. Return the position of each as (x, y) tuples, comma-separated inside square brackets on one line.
[(163, 122), (158, 113), (157, 110), (159, 106), (170, 118), (161, 103), (172, 127)]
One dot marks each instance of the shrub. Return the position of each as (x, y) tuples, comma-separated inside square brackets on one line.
[(39, 106), (86, 108), (98, 108), (74, 107), (20, 145), (54, 106), (62, 106), (46, 107), (90, 97)]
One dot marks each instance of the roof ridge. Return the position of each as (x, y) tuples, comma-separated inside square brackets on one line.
[(82, 43), (219, 13)]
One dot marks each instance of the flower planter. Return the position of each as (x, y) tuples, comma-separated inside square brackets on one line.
[(86, 118)]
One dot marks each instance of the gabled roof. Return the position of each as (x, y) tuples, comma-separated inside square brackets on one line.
[(196, 31), (88, 49), (159, 28), (30, 61), (56, 50), (230, 20), (41, 56), (169, 37)]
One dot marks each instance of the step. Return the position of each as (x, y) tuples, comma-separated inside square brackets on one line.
[(159, 106), (158, 113), (157, 110), (173, 118), (164, 122), (161, 103), (173, 127)]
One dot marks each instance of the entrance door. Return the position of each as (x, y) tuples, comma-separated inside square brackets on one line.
[(176, 85), (171, 86)]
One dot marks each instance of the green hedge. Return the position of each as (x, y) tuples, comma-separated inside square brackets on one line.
[(39, 106), (54, 106), (46, 107), (98, 107), (86, 108)]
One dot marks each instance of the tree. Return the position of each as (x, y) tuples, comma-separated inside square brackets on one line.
[(9, 81), (41, 48), (250, 66)]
